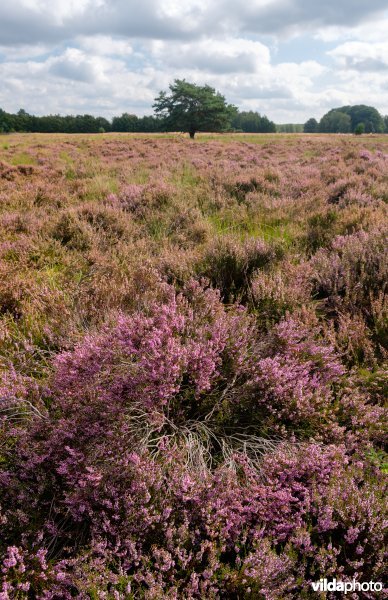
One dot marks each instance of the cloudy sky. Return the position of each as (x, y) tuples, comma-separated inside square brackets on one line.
[(289, 59)]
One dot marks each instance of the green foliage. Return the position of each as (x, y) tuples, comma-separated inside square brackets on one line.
[(126, 122), (190, 107), (360, 113), (230, 265), (289, 128), (253, 122), (22, 121), (70, 233), (311, 126), (320, 229), (360, 129), (132, 123), (335, 121)]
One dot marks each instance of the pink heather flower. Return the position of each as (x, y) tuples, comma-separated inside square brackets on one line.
[(352, 534)]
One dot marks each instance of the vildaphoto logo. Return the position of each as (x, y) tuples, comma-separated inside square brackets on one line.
[(323, 585)]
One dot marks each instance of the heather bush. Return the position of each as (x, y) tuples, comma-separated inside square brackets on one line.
[(139, 198), (352, 339), (351, 277), (321, 229), (230, 265), (291, 386), (70, 232), (107, 223), (356, 259), (187, 228), (171, 532), (169, 355), (279, 292), (239, 187)]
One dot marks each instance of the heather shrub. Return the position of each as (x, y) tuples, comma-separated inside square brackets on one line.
[(176, 265), (108, 223), (71, 233), (292, 385), (117, 282), (379, 314), (187, 228), (374, 382), (339, 189), (15, 223), (357, 197), (153, 358), (35, 313), (10, 302), (240, 186), (209, 535), (361, 415), (230, 265), (337, 499), (352, 339), (351, 277), (321, 229), (279, 292), (355, 259), (23, 573), (139, 198)]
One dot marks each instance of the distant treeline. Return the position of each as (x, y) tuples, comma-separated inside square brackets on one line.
[(347, 119), (250, 122), (289, 128), (22, 121), (356, 119)]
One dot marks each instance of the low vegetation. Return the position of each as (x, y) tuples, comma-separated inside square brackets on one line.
[(193, 347)]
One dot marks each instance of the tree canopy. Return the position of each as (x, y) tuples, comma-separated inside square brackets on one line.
[(289, 128), (190, 107), (356, 119), (335, 121), (311, 126), (253, 122), (368, 116)]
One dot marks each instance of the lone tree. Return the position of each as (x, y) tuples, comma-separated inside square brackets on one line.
[(190, 107)]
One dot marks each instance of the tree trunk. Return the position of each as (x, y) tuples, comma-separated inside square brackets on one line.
[(192, 134)]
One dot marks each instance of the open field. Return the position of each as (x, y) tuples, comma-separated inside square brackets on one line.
[(193, 345)]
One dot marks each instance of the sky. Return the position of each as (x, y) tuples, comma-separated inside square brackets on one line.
[(287, 59)]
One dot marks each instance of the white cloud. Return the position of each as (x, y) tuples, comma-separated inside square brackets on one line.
[(296, 17), (371, 30), (77, 66), (107, 56), (24, 52), (105, 45), (58, 10), (230, 55), (29, 21), (362, 56)]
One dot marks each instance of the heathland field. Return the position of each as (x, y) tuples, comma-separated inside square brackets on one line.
[(193, 340)]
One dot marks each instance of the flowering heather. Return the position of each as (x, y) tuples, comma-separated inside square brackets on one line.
[(193, 353)]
